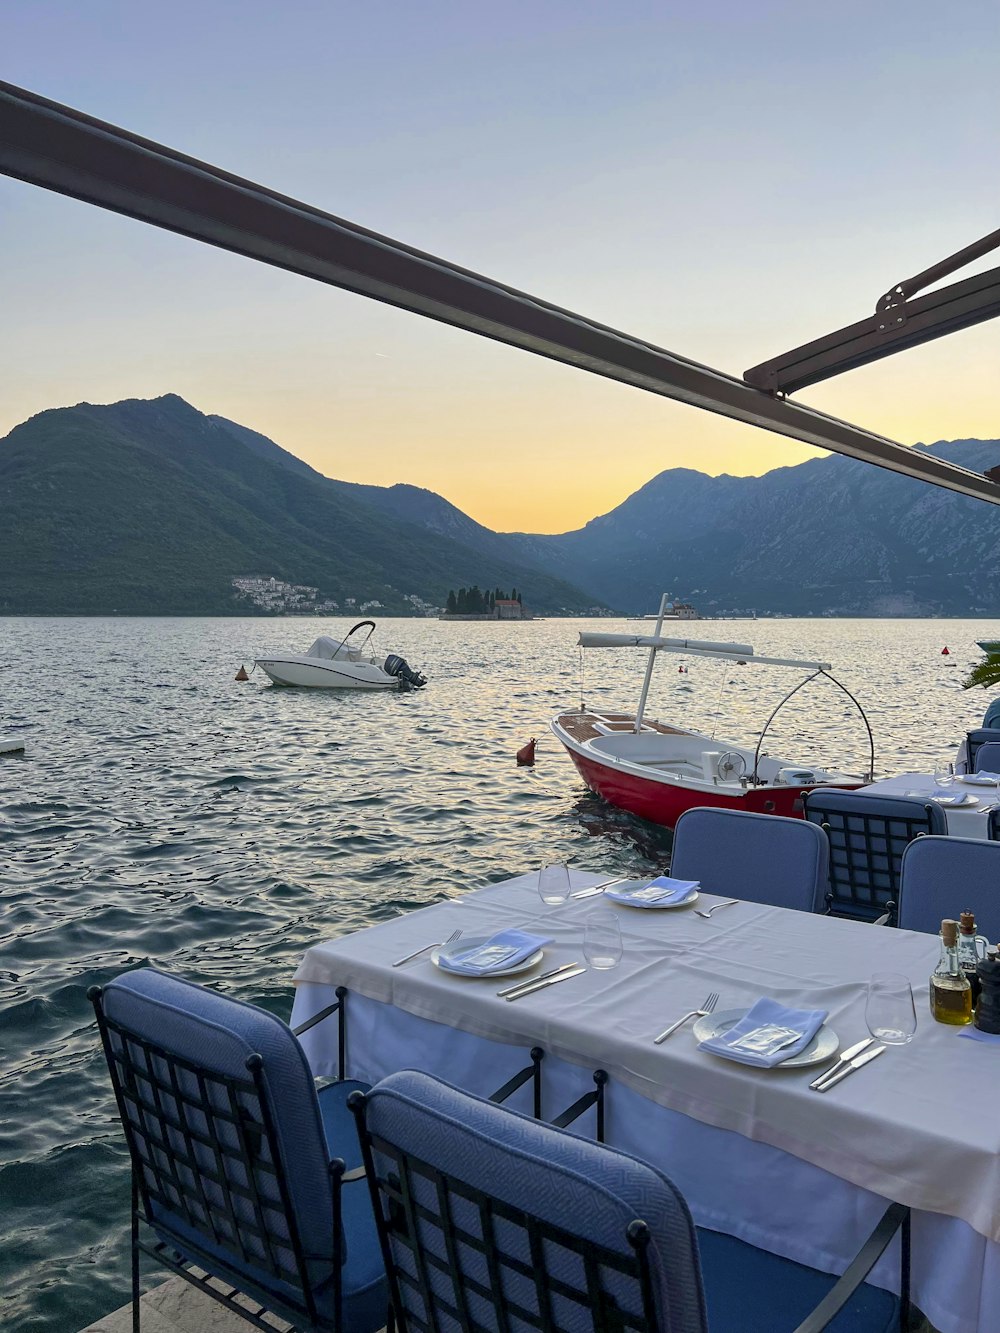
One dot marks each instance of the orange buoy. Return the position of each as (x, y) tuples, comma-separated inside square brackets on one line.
[(526, 754), (242, 674), (945, 652)]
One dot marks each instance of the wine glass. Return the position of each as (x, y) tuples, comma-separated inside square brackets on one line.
[(944, 774), (553, 884), (889, 1011), (602, 939)]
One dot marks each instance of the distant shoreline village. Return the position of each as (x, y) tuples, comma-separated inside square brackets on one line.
[(272, 595)]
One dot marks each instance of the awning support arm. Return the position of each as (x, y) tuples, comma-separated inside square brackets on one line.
[(898, 323)]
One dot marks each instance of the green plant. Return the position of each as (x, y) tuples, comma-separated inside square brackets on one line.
[(986, 674)]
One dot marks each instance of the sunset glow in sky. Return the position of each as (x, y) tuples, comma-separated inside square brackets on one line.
[(726, 179)]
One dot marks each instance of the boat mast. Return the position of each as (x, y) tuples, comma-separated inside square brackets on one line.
[(649, 666)]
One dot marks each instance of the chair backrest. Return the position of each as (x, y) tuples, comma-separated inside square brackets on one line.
[(987, 757), (223, 1126), (973, 740), (945, 876), (868, 835), (762, 858), (489, 1219)]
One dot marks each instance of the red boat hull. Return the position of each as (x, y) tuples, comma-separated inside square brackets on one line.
[(664, 803)]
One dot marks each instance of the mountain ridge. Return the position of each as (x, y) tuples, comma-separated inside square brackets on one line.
[(829, 536), (148, 506)]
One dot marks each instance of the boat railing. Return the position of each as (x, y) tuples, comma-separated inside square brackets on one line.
[(757, 781)]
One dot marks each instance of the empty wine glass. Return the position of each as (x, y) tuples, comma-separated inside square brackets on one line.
[(602, 939), (889, 1010), (944, 774), (553, 884)]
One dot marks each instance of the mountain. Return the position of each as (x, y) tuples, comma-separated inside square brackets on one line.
[(829, 536), (151, 507), (832, 535)]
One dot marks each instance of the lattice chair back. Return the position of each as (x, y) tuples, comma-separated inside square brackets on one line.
[(988, 757), (762, 858), (220, 1113), (492, 1220), (945, 876), (868, 835), (973, 740)]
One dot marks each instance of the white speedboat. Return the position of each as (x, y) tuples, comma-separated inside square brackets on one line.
[(342, 665)]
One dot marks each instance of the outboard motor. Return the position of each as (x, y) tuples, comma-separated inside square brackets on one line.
[(404, 673)]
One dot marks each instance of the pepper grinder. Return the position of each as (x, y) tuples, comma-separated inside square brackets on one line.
[(987, 1017)]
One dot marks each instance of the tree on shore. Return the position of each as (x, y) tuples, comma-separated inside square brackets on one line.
[(474, 602)]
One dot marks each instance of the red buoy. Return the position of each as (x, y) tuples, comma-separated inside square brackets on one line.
[(242, 674), (526, 754), (945, 652)]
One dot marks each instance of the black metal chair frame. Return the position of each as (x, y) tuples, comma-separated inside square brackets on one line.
[(533, 1072), (847, 861), (972, 747), (339, 1008), (177, 1176), (398, 1215)]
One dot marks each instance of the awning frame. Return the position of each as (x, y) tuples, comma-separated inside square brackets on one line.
[(60, 149)]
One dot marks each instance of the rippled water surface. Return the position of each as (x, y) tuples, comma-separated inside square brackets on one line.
[(164, 813)]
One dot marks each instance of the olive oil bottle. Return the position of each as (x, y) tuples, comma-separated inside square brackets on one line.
[(950, 992)]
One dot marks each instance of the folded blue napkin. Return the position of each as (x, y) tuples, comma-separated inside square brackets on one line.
[(756, 1038), (950, 798), (974, 1034), (501, 951), (659, 893)]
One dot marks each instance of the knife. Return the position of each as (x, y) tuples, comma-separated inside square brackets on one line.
[(533, 981), (576, 971), (846, 1058), (850, 1067), (598, 888)]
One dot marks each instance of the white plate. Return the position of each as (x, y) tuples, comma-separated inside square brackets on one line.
[(949, 803), (976, 779), (823, 1046), (468, 942), (641, 884)]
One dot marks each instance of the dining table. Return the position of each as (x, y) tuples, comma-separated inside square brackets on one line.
[(968, 820), (756, 1152)]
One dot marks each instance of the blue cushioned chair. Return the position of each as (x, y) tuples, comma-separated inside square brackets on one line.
[(984, 735), (988, 757), (491, 1220), (868, 835), (945, 876), (762, 858), (237, 1164)]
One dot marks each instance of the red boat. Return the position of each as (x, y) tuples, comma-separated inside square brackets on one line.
[(658, 771)]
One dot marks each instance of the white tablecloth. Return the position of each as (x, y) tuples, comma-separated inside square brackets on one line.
[(756, 1153), (964, 821)]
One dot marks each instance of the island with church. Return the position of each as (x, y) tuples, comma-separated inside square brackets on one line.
[(474, 604)]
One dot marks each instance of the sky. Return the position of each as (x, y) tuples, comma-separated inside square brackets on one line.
[(726, 179)]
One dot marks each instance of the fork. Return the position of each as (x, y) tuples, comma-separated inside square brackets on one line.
[(731, 903), (455, 934), (705, 1009)]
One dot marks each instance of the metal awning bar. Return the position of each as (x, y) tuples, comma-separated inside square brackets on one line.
[(60, 149), (898, 323)]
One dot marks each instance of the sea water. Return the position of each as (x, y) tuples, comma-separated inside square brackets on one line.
[(165, 813)]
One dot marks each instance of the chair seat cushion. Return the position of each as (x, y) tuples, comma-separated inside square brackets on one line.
[(751, 1291), (338, 1122)]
